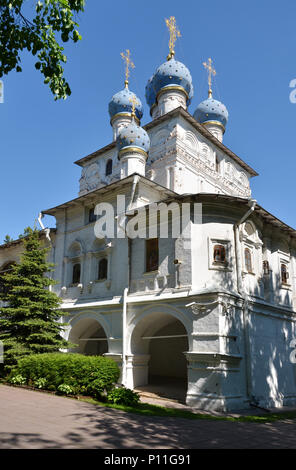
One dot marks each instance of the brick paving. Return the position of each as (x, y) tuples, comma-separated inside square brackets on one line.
[(35, 420)]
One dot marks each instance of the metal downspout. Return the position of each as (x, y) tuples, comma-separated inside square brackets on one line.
[(244, 295), (125, 292)]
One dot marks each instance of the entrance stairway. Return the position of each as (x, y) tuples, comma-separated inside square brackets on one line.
[(164, 390)]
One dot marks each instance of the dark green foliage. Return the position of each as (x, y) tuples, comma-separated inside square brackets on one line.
[(29, 320), (8, 239), (123, 396), (26, 232), (84, 374), (37, 35)]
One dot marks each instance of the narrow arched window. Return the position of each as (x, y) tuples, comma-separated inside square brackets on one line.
[(217, 164), (265, 268), (76, 273), (152, 254), (219, 254), (103, 269), (91, 215), (109, 167), (248, 260), (284, 273)]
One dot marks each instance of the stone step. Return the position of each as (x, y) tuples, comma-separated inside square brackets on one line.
[(155, 395)]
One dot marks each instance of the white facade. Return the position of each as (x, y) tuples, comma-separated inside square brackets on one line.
[(223, 328)]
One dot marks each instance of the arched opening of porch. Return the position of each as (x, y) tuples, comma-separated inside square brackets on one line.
[(158, 344), (89, 336)]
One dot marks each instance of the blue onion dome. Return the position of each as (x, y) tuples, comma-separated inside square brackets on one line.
[(211, 110), (150, 93), (120, 103), (133, 135), (173, 73)]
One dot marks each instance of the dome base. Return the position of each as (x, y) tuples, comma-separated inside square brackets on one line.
[(133, 160), (215, 128)]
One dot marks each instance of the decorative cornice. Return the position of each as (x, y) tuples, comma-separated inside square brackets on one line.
[(199, 308)]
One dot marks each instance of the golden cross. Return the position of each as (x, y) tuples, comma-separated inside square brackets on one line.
[(174, 34), (211, 71), (128, 64), (134, 102)]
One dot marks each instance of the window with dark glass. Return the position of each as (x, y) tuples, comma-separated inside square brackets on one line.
[(217, 164), (219, 254), (248, 261), (103, 269), (76, 274), (284, 273), (152, 254), (109, 167), (91, 215), (265, 267)]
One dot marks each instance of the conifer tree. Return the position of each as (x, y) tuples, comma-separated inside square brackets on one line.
[(29, 319)]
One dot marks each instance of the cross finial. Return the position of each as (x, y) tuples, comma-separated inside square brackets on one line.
[(211, 71), (128, 64), (134, 102), (174, 34)]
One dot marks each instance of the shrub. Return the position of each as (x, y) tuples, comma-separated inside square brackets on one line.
[(96, 389), (17, 379), (65, 389), (123, 396), (40, 383), (76, 370)]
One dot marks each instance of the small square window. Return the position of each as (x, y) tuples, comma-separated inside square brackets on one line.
[(219, 254)]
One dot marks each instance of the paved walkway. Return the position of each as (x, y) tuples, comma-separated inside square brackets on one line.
[(38, 420)]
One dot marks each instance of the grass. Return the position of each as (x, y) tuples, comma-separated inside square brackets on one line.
[(146, 409), (155, 410)]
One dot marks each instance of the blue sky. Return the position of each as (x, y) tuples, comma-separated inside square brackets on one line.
[(253, 45)]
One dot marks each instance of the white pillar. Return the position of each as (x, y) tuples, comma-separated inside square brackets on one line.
[(169, 98), (119, 121), (216, 129), (133, 160)]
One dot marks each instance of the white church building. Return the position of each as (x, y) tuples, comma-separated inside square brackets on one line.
[(213, 309)]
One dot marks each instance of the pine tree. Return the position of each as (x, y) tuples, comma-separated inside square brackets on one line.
[(8, 239), (29, 319)]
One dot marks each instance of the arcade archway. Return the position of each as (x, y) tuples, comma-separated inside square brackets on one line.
[(162, 339), (89, 336)]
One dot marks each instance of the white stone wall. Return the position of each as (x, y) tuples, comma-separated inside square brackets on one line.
[(180, 159)]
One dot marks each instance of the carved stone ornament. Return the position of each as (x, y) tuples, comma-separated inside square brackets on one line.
[(199, 308)]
